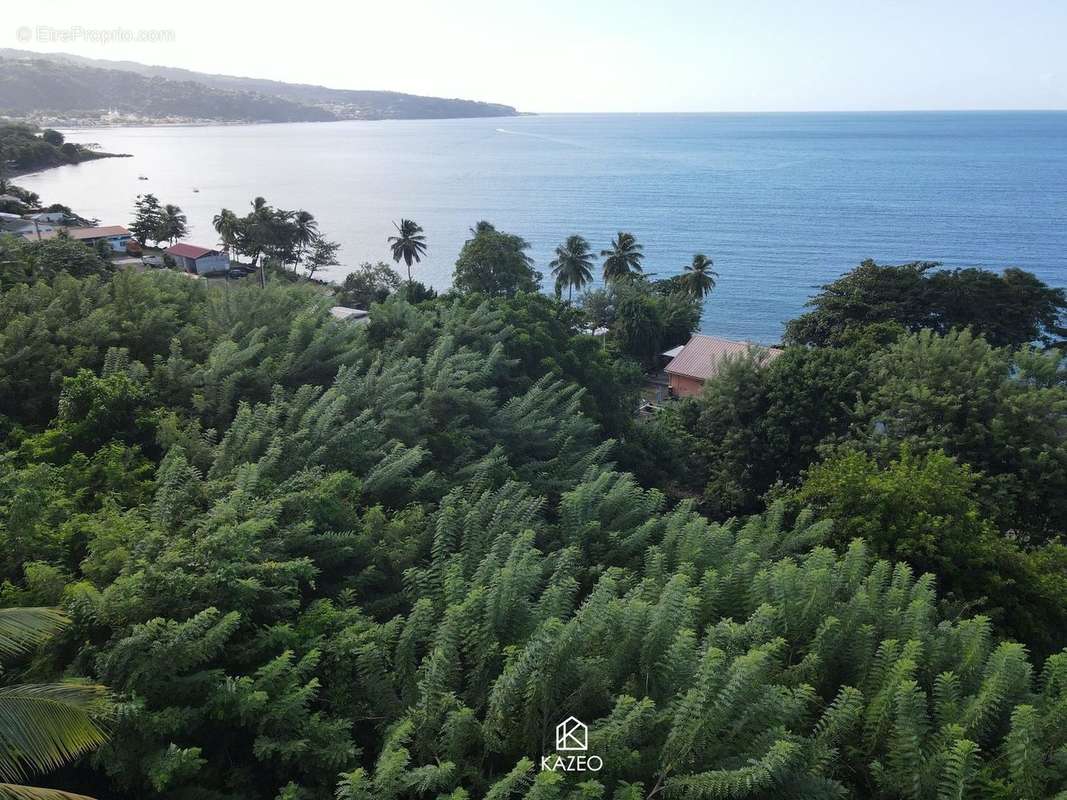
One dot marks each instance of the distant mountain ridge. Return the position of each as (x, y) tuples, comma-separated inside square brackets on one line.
[(62, 84)]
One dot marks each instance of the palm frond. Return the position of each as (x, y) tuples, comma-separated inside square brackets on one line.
[(23, 629), (10, 791), (45, 726)]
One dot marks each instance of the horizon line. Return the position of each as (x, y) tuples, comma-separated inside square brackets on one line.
[(520, 112), (817, 111)]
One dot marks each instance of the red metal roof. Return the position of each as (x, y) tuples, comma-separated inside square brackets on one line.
[(189, 251), (703, 355)]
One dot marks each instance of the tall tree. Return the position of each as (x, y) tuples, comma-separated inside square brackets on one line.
[(226, 226), (573, 265), (43, 726), (281, 243), (172, 224), (699, 278), (495, 263), (409, 244), (623, 260), (147, 216), (306, 232), (256, 234), (323, 254)]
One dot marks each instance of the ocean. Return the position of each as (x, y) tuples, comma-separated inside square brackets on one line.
[(781, 202)]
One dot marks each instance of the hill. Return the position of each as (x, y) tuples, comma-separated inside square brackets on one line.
[(56, 87)]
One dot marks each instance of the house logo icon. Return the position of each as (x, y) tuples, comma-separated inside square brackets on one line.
[(572, 734)]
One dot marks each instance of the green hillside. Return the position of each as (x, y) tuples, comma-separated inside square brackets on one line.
[(33, 83)]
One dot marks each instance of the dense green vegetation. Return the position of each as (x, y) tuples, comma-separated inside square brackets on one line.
[(314, 559), (1013, 308), (269, 236), (24, 148), (941, 450), (23, 261)]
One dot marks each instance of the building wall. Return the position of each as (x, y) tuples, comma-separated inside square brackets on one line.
[(206, 264), (29, 232), (684, 386), (118, 243)]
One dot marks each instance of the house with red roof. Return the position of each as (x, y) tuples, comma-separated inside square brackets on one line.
[(701, 358), (198, 260)]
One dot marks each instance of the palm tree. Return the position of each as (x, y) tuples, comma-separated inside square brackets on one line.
[(43, 726), (256, 232), (699, 278), (623, 260), (409, 245), (226, 225), (173, 223), (307, 231), (573, 265)]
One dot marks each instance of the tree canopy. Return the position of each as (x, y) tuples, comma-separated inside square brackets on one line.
[(1013, 308), (495, 264), (312, 559), (23, 261)]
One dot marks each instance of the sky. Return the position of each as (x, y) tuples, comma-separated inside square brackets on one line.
[(595, 55)]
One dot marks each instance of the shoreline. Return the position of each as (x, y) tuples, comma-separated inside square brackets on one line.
[(94, 157), (71, 125)]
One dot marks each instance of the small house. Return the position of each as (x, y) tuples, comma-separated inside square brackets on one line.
[(700, 359), (198, 260), (116, 236)]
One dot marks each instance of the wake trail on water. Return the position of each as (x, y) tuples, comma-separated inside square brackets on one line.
[(568, 142)]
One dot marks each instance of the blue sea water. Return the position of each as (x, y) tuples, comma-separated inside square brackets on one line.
[(781, 202)]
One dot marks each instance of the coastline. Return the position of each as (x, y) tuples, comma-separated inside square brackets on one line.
[(97, 124), (779, 219), (19, 173)]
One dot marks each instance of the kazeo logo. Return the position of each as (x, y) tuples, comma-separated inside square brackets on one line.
[(572, 737), (572, 734)]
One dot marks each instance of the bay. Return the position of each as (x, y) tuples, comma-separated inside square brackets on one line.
[(782, 202)]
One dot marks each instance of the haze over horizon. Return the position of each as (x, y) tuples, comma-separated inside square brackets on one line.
[(619, 56)]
